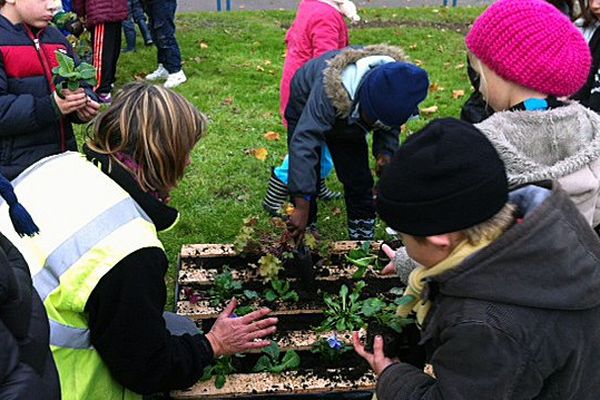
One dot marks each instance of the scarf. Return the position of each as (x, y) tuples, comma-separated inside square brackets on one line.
[(411, 300)]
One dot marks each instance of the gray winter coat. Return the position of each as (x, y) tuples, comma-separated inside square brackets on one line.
[(562, 143), (518, 320)]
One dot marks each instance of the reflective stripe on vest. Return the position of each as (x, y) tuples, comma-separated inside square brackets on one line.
[(80, 243), (69, 337)]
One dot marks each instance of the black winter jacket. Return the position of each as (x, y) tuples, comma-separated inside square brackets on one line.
[(31, 126), (320, 105), (517, 320), (27, 369)]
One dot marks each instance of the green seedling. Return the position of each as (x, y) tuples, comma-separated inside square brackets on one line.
[(384, 313), (362, 258), (269, 267), (280, 291), (220, 369), (331, 349), (225, 287), (270, 361), (343, 312), (69, 76)]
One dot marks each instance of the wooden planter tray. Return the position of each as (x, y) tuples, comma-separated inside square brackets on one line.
[(198, 266), (291, 382)]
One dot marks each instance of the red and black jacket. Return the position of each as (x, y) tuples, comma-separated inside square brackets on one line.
[(31, 126)]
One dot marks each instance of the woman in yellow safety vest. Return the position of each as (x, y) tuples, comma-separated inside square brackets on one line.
[(97, 262)]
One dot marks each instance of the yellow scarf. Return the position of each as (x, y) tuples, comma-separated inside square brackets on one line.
[(416, 280)]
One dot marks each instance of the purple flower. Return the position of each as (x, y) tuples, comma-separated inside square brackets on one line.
[(334, 343)]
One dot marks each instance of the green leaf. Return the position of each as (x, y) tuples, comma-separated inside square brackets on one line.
[(409, 298), (220, 381), (270, 295), (65, 62), (250, 294), (340, 326), (263, 364), (360, 272), (243, 310), (272, 351), (72, 85), (344, 291), (207, 374), (291, 360), (86, 71), (372, 306)]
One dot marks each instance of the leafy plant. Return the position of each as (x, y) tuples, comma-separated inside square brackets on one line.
[(385, 313), (222, 367), (344, 311), (69, 76), (270, 361), (362, 258), (280, 290), (225, 287), (245, 241), (330, 349), (269, 267)]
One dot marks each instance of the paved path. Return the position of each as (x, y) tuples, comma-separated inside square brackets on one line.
[(211, 5)]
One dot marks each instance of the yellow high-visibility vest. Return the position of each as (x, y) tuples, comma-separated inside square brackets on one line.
[(87, 223)]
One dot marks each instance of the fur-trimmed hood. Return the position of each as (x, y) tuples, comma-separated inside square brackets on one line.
[(332, 75), (562, 143)]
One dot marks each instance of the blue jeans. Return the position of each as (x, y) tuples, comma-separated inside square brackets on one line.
[(136, 16), (162, 28)]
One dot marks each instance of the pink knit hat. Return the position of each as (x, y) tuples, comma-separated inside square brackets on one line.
[(531, 43)]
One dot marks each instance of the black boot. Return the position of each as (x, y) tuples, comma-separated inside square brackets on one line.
[(361, 229), (327, 194), (277, 194)]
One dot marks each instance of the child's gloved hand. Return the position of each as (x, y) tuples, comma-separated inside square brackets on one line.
[(72, 101)]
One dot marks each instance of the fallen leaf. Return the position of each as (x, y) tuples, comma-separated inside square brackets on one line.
[(140, 77), (459, 66), (260, 68), (261, 153), (435, 87), (278, 222), (413, 46), (430, 110), (203, 45), (272, 136), (457, 94), (336, 211), (267, 62), (228, 101), (418, 63)]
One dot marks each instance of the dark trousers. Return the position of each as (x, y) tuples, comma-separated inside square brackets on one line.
[(136, 16), (350, 153), (162, 28), (106, 45)]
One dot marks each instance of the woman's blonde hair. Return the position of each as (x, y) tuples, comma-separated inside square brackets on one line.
[(155, 127)]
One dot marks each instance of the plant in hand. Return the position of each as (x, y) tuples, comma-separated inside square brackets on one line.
[(222, 367), (343, 312), (270, 361), (280, 289), (69, 76)]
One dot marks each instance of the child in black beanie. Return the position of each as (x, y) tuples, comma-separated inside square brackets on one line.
[(507, 292)]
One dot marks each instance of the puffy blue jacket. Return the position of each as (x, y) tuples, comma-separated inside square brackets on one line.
[(31, 127)]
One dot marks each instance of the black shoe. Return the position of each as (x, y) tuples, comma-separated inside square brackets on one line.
[(327, 194), (277, 195)]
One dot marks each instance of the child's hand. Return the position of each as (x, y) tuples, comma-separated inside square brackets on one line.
[(72, 101), (377, 360), (89, 111), (390, 268)]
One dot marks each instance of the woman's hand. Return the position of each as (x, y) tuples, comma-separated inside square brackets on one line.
[(230, 334), (378, 361), (390, 268)]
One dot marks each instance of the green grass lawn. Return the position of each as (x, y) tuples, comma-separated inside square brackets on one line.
[(233, 62)]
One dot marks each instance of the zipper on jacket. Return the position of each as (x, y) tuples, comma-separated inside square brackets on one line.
[(48, 74)]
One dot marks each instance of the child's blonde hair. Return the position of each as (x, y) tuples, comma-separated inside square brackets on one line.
[(494, 227), (156, 127)]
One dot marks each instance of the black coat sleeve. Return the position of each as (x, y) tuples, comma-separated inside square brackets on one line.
[(385, 142), (317, 118), (473, 361), (128, 330)]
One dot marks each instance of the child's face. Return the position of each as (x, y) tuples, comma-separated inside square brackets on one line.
[(595, 8), (493, 88), (36, 13)]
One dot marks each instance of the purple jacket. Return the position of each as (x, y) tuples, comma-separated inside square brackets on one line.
[(101, 11)]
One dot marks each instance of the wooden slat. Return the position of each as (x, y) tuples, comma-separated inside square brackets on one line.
[(203, 310), (292, 382)]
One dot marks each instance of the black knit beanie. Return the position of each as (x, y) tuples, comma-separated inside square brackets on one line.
[(444, 178)]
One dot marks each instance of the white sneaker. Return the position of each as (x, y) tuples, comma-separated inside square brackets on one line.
[(160, 73), (175, 79)]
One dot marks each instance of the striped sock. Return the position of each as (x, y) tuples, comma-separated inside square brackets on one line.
[(327, 194), (277, 194), (361, 229)]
